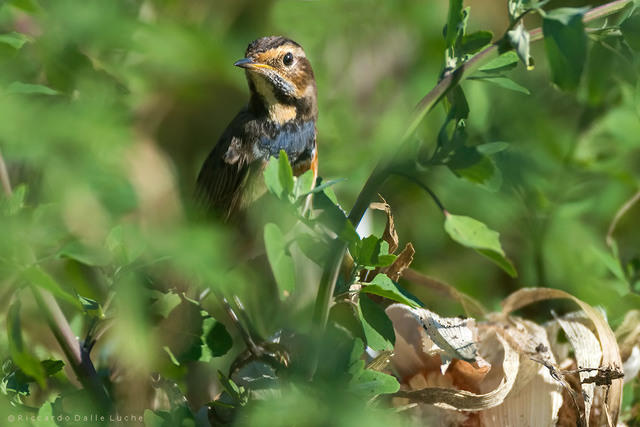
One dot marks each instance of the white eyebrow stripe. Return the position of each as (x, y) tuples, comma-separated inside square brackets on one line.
[(295, 50)]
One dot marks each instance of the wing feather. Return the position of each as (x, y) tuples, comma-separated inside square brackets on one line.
[(221, 179)]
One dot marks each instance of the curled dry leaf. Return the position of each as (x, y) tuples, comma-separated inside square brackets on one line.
[(628, 333), (417, 359), (610, 352), (402, 262), (587, 353), (506, 371), (631, 366)]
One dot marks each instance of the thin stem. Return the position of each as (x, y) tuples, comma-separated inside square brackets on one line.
[(424, 186), (4, 177), (623, 210)]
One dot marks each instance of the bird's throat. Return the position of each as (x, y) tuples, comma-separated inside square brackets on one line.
[(277, 111), (282, 113)]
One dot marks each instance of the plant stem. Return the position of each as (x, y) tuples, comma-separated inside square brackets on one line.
[(4, 177), (621, 212), (77, 356), (383, 169), (426, 188)]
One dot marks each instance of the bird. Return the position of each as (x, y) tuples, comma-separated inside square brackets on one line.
[(281, 114)]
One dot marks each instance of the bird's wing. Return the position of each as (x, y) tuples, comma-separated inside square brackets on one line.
[(225, 171)]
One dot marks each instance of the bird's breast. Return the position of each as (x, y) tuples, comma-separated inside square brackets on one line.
[(296, 138)]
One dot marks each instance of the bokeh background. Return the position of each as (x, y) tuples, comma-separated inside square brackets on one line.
[(108, 109)]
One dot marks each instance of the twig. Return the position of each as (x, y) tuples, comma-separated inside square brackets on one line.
[(77, 356), (558, 375)]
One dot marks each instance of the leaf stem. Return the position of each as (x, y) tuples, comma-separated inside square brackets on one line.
[(426, 188)]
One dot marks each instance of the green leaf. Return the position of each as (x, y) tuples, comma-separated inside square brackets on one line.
[(370, 383), (13, 204), (85, 255), (325, 185), (278, 176), (506, 61), (333, 217), (18, 381), (630, 28), (91, 307), (304, 184), (164, 302), (151, 419), (38, 277), (27, 363), (474, 234), (272, 179), (236, 393), (612, 263), (468, 163), (455, 22), (13, 39), (285, 173), (371, 252), (51, 366), (519, 40), (566, 45), (383, 286), (313, 247), (216, 338), (30, 89), (377, 327), (471, 43), (503, 82), (345, 314), (124, 245), (492, 148), (279, 259)]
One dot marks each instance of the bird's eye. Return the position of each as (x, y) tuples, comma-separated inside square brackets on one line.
[(288, 59)]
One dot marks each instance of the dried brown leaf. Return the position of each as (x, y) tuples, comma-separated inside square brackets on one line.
[(390, 235), (402, 262), (610, 351), (587, 353), (628, 333), (448, 398)]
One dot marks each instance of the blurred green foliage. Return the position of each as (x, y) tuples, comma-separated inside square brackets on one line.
[(107, 110)]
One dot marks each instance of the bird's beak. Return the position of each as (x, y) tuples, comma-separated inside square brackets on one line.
[(250, 64)]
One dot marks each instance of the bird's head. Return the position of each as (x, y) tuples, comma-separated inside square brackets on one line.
[(280, 78)]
